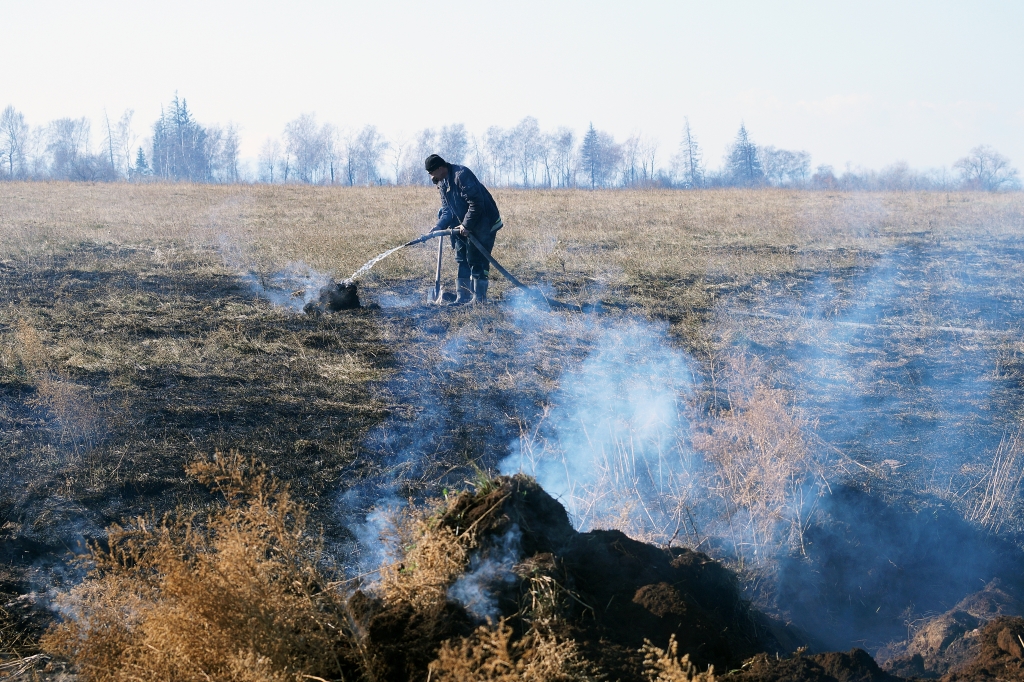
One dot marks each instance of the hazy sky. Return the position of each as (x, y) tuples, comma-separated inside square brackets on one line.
[(862, 82)]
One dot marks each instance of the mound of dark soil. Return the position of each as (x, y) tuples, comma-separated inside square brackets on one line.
[(406, 639), (334, 297), (1000, 653), (608, 592), (854, 666), (951, 640)]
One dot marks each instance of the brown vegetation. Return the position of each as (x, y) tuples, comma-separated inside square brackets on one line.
[(131, 342)]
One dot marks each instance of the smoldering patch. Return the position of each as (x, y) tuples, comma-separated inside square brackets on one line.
[(334, 297)]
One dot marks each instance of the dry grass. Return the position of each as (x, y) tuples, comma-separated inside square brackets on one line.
[(233, 595), (994, 500), (432, 557), (664, 665), (129, 340), (492, 653), (763, 468)]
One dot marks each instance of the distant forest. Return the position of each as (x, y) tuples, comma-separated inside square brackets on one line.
[(176, 147)]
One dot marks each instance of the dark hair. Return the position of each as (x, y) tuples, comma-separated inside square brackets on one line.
[(434, 162)]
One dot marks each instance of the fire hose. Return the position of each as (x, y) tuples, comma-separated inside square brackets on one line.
[(490, 259)]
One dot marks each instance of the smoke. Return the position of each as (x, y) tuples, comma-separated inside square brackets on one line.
[(898, 367), (613, 444), (839, 466), (490, 569), (291, 287)]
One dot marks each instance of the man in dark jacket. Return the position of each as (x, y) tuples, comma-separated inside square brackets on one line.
[(466, 204)]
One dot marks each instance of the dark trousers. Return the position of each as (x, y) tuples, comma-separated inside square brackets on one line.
[(471, 262)]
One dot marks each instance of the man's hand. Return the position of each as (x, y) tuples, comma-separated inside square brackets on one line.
[(462, 231)]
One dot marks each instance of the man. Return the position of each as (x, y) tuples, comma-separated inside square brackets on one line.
[(466, 204)]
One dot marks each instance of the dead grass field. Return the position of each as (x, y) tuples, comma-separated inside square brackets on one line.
[(131, 343)]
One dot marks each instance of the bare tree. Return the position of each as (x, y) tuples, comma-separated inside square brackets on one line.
[(365, 153), (500, 152), (631, 161), (784, 168), (563, 145), (126, 138), (688, 164), (527, 148), (308, 144), (398, 153), (648, 157), (453, 143), (68, 148), (427, 142), (14, 134), (824, 177), (270, 154), (229, 152), (986, 169)]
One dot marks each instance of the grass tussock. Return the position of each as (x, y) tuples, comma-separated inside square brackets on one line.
[(493, 654), (235, 594), (763, 467), (664, 665), (70, 405), (432, 557), (993, 501)]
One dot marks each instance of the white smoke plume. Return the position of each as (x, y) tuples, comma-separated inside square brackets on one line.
[(489, 569)]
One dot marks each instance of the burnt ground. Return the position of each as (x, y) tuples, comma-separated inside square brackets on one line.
[(122, 364), (911, 368)]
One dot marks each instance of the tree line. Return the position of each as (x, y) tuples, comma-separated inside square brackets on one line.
[(176, 147)]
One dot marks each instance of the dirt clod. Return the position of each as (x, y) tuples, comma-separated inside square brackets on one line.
[(334, 297)]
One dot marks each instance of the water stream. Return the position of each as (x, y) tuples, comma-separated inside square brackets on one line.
[(370, 263)]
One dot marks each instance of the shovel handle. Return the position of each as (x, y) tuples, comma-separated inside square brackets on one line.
[(437, 275)]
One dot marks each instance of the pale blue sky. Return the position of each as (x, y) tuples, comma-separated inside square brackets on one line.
[(863, 82)]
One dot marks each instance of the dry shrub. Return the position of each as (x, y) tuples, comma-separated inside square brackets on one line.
[(29, 349), (232, 595), (666, 666), (492, 654), (763, 464), (432, 558), (70, 404)]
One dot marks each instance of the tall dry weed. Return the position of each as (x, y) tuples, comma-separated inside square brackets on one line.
[(491, 654), (763, 468), (235, 594), (29, 350), (665, 665), (71, 405), (431, 557)]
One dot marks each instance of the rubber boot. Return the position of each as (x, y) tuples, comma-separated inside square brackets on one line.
[(465, 290), (480, 290)]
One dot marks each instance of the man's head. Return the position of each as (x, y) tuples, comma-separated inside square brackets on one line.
[(437, 168)]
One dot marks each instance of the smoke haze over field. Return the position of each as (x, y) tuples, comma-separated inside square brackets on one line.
[(869, 84)]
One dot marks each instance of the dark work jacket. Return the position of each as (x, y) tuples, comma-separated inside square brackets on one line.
[(465, 201)]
